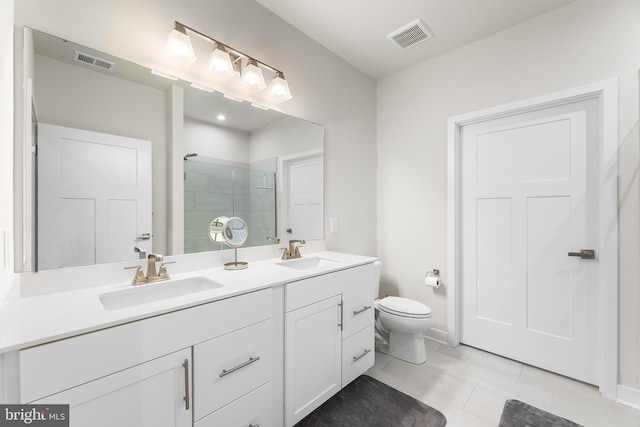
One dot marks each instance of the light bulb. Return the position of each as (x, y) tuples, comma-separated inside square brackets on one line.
[(252, 76), (220, 64), (179, 47), (279, 88)]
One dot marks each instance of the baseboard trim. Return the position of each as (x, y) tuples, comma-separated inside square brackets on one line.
[(437, 335), (628, 396)]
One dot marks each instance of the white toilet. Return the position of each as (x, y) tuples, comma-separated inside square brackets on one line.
[(400, 325)]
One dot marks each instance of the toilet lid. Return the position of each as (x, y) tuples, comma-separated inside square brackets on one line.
[(404, 307)]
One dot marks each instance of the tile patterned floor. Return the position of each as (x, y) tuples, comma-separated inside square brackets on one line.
[(470, 387)]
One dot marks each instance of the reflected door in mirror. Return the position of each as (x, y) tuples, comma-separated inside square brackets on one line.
[(94, 197), (305, 198)]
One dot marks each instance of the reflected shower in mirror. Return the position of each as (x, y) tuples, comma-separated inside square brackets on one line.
[(234, 165), (214, 187)]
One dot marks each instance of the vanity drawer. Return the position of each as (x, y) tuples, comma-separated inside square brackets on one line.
[(252, 409), (308, 291), (230, 366), (358, 354), (50, 368), (358, 311)]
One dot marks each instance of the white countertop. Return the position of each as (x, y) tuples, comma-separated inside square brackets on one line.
[(27, 322)]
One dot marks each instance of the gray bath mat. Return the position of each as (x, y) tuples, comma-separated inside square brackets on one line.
[(367, 402), (519, 414)]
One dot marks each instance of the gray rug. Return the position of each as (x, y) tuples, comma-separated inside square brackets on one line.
[(367, 402), (519, 414)]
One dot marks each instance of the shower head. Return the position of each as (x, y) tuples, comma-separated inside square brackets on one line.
[(189, 155)]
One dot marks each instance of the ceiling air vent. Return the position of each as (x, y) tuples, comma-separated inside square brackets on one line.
[(411, 34), (93, 60)]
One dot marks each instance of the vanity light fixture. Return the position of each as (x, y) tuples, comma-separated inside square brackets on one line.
[(179, 46), (279, 88), (252, 76), (224, 61), (220, 64)]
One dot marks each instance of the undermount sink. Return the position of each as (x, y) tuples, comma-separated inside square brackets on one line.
[(153, 292), (306, 263)]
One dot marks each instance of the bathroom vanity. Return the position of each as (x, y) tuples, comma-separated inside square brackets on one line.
[(263, 346)]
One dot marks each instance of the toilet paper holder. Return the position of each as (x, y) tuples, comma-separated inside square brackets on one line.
[(433, 278)]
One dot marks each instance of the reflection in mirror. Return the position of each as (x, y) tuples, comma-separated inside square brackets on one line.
[(235, 233), (214, 187), (235, 167), (215, 230)]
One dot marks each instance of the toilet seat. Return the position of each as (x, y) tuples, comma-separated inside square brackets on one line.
[(404, 307)]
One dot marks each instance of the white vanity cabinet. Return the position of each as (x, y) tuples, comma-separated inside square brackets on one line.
[(329, 338), (152, 394), (150, 372)]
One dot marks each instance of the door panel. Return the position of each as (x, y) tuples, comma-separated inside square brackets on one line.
[(94, 197), (305, 195), (526, 203)]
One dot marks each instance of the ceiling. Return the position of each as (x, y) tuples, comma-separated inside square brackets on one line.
[(356, 30)]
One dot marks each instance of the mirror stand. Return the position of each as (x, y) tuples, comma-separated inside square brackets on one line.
[(236, 265)]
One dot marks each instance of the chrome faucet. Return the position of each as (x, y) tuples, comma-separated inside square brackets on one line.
[(292, 251), (152, 275)]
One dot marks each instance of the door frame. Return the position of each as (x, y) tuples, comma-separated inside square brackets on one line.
[(606, 92)]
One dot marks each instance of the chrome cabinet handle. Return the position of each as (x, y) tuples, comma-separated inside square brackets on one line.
[(341, 315), (356, 312), (356, 358), (584, 254), (240, 366), (145, 236), (185, 365)]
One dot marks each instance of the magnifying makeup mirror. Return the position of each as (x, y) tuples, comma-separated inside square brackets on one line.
[(232, 231)]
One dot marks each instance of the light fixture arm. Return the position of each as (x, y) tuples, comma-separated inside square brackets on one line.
[(182, 28)]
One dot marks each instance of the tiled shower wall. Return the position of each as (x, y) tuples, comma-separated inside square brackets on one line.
[(215, 188)]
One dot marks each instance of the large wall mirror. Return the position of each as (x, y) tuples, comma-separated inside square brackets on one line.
[(105, 129)]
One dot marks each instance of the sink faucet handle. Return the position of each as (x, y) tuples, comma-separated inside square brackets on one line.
[(138, 277), (162, 272)]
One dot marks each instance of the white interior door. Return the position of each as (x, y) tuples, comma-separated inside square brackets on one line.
[(305, 199), (94, 197), (528, 198)]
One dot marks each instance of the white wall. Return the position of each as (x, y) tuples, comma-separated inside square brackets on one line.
[(219, 142), (7, 277), (583, 42), (325, 89), (285, 137)]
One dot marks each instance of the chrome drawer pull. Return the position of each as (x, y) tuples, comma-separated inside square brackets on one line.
[(356, 312), (356, 358), (254, 425), (185, 365), (240, 366)]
